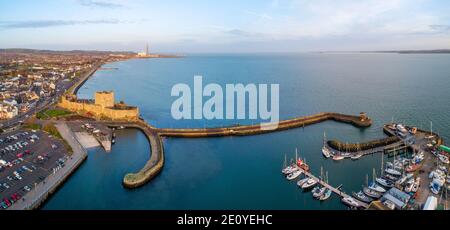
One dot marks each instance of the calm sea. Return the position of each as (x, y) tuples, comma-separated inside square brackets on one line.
[(244, 172)]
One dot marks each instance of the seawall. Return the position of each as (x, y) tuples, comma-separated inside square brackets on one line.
[(156, 162), (256, 129)]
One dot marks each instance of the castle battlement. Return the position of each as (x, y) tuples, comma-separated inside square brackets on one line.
[(102, 107)]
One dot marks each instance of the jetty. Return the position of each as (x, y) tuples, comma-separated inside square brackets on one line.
[(335, 190), (245, 130), (156, 162)]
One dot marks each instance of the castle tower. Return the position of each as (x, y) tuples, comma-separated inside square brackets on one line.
[(104, 99)]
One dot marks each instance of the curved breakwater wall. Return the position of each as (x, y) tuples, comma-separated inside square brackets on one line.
[(156, 162)]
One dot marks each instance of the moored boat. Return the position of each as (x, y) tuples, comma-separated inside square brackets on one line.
[(356, 156), (350, 202), (326, 194), (318, 192), (393, 172), (294, 175), (302, 181), (338, 157), (385, 183), (362, 197), (374, 186), (412, 168), (302, 165), (371, 193), (326, 152), (309, 183)]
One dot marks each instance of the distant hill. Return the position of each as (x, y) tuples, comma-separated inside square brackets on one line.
[(73, 52), (438, 51)]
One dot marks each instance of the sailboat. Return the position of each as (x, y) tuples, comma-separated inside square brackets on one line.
[(382, 180), (288, 169), (319, 190), (371, 193), (325, 151), (302, 181), (327, 192), (362, 197), (385, 183), (309, 183), (392, 170), (294, 175), (350, 202), (374, 186)]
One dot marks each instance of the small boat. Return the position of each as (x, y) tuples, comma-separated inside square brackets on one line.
[(444, 159), (302, 181), (409, 185), (338, 157), (326, 152), (350, 202), (385, 183), (390, 177), (374, 186), (356, 157), (405, 178), (294, 175), (289, 169), (416, 185), (393, 172), (326, 195), (318, 192), (435, 189), (309, 183), (362, 197), (302, 165), (412, 168), (371, 193)]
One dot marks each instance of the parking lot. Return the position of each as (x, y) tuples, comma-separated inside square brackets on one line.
[(26, 158)]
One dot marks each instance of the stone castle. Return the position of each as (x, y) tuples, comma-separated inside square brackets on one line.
[(103, 107)]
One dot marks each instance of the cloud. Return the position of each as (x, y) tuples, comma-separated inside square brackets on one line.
[(440, 28), (53, 23), (238, 32), (102, 4)]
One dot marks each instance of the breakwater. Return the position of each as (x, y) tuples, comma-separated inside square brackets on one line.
[(245, 130), (156, 162), (352, 147)]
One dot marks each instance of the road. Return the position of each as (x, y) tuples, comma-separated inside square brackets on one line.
[(41, 105)]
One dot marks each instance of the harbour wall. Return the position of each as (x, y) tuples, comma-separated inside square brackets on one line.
[(156, 162)]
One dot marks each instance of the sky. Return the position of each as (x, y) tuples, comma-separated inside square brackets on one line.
[(189, 26)]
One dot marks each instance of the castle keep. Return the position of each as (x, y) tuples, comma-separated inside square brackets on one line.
[(103, 107)]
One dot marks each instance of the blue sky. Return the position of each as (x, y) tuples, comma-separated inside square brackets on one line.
[(225, 26)]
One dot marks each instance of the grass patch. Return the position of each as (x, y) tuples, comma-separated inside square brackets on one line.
[(32, 126), (51, 113)]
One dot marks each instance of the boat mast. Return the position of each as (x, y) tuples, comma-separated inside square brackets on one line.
[(382, 168), (367, 179), (296, 155), (373, 174)]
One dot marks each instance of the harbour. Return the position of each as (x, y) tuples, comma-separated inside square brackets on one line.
[(308, 139)]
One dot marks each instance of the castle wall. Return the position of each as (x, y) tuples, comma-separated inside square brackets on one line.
[(99, 111)]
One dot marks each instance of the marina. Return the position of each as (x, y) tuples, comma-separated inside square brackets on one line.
[(254, 158), (310, 180)]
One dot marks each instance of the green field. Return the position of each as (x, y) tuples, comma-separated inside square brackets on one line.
[(47, 114)]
